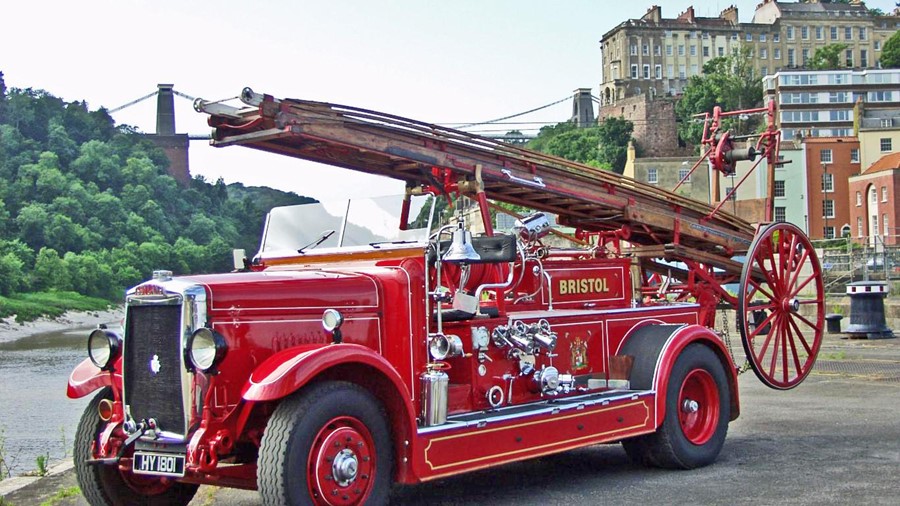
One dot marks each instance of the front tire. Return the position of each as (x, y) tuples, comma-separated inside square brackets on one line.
[(697, 413), (103, 484), (327, 445)]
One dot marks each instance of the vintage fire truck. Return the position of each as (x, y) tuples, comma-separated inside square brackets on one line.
[(372, 342)]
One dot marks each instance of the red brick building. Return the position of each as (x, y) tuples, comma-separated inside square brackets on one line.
[(873, 210), (830, 163)]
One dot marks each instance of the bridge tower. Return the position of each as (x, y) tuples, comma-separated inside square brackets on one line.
[(174, 145)]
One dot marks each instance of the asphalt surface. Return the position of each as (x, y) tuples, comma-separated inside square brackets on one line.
[(835, 439)]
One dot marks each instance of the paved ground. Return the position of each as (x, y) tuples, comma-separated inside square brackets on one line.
[(833, 440)]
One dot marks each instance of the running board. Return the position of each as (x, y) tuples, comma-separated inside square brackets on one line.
[(479, 440)]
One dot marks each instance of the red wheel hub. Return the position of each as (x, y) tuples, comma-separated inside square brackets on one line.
[(698, 406), (341, 466)]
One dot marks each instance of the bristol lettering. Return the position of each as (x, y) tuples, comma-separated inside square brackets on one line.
[(583, 286)]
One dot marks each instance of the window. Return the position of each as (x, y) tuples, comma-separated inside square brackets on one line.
[(885, 145), (859, 229), (657, 50), (634, 71), (749, 37), (668, 49), (670, 71), (884, 194), (804, 32), (734, 36), (849, 57), (779, 188), (652, 176), (658, 71), (764, 70), (645, 50), (820, 33), (721, 51), (634, 50), (858, 199), (695, 70), (684, 174), (873, 197), (884, 224), (879, 96), (728, 191), (828, 208), (839, 79), (790, 57), (682, 73), (762, 37), (804, 56), (776, 37), (780, 214), (863, 58), (776, 53), (838, 97), (877, 45), (706, 51), (829, 232), (848, 33), (834, 33), (839, 115), (825, 156), (790, 32), (646, 71), (854, 158), (862, 33), (693, 50), (874, 224), (827, 183), (763, 54), (886, 123)]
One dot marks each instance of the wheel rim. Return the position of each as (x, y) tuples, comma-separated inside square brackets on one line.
[(341, 466), (698, 406), (780, 281)]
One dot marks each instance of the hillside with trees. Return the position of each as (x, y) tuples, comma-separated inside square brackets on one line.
[(87, 206)]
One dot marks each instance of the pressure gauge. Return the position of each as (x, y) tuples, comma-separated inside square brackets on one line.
[(480, 338)]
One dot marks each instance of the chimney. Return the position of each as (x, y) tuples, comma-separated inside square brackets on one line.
[(165, 110), (654, 14), (687, 15), (730, 14)]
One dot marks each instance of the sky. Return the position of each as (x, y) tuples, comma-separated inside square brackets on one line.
[(459, 61)]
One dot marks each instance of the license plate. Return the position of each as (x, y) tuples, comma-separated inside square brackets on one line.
[(159, 464)]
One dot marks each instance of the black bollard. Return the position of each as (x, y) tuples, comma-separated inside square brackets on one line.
[(867, 310)]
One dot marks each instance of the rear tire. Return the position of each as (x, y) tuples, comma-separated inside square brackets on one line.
[(103, 484), (697, 413), (328, 444)]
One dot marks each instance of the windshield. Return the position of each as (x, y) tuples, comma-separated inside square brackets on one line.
[(360, 223)]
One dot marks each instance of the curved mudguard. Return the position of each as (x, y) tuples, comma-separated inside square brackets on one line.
[(87, 378), (285, 372), (655, 349)]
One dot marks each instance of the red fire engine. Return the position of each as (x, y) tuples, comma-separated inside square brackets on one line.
[(370, 342)]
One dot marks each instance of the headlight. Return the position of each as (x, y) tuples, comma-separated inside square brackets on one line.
[(332, 319), (104, 348), (206, 349)]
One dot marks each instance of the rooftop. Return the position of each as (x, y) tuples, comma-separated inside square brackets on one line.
[(885, 163)]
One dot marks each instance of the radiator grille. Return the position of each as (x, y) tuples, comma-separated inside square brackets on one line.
[(153, 338)]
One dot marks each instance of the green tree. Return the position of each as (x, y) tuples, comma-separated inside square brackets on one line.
[(728, 82), (50, 271), (827, 57), (615, 134), (890, 52), (12, 274)]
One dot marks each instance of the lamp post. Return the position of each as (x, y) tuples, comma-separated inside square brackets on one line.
[(825, 198)]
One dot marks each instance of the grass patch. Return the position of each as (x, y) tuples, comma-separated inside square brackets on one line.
[(838, 355), (62, 494), (31, 306)]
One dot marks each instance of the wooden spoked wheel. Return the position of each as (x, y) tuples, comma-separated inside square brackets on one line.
[(781, 306)]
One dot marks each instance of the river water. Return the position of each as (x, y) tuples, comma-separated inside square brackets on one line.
[(36, 417)]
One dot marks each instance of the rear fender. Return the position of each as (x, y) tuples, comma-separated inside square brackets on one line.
[(87, 378), (655, 349)]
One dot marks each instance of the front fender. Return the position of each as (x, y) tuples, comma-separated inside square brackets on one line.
[(657, 347), (286, 371), (87, 378)]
